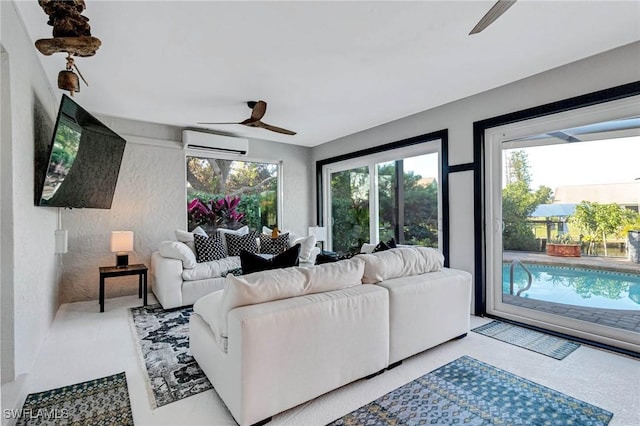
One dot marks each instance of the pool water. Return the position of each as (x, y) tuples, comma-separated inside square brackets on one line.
[(576, 286)]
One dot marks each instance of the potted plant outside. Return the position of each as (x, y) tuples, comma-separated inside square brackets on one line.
[(563, 246)]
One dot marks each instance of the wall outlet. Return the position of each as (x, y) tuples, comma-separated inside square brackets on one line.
[(61, 241)]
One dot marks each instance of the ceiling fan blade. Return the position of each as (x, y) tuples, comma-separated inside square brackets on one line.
[(494, 13), (274, 128), (199, 122), (258, 109)]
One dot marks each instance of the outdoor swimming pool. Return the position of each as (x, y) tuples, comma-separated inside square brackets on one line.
[(576, 286)]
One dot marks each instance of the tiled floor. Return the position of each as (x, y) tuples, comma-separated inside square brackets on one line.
[(84, 344)]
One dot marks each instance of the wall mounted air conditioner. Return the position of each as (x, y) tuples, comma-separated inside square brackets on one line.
[(192, 139)]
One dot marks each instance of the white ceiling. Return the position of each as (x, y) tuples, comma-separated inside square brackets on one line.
[(326, 69)]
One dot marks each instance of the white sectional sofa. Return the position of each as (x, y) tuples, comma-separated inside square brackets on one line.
[(178, 280), (275, 339)]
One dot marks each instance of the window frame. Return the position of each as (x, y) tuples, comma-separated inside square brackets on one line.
[(480, 169), (203, 153), (418, 145)]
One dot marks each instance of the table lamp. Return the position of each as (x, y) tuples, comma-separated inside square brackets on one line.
[(121, 244)]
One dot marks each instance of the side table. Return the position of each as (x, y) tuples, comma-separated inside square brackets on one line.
[(113, 271)]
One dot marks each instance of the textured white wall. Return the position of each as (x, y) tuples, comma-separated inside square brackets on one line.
[(150, 199), (613, 68), (147, 201), (29, 276)]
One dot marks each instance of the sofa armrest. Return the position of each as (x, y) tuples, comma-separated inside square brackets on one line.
[(167, 280)]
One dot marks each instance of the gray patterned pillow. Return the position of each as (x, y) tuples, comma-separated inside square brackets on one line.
[(277, 245), (208, 248), (237, 243)]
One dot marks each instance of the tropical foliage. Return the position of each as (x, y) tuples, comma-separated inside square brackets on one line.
[(351, 209), (598, 221), (231, 193), (518, 202)]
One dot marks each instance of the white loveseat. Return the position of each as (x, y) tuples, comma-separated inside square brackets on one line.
[(275, 339), (178, 280)]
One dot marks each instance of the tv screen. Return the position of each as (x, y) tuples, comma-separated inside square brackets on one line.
[(84, 161)]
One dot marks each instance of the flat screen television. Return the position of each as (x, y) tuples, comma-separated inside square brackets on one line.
[(84, 161)]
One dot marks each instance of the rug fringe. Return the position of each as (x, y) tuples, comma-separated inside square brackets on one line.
[(141, 364)]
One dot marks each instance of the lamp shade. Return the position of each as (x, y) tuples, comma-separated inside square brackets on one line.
[(320, 232), (121, 241)]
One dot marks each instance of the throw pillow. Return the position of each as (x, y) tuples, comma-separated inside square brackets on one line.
[(223, 232), (392, 243), (237, 243), (382, 246), (307, 243), (178, 250), (208, 248), (253, 263), (270, 245), (326, 257), (236, 272), (187, 237)]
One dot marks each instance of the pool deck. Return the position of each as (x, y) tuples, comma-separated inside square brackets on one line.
[(623, 319), (618, 264)]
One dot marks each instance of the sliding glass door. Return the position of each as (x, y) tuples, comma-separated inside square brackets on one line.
[(376, 198), (563, 195)]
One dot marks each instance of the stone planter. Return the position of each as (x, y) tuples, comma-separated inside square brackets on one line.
[(563, 250)]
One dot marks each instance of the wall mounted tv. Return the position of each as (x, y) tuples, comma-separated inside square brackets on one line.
[(84, 161)]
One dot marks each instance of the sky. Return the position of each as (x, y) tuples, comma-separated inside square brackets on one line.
[(578, 163), (583, 163)]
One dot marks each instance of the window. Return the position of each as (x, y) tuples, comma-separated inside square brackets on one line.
[(391, 194), (232, 193)]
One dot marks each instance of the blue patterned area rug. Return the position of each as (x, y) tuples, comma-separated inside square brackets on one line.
[(101, 402), (163, 339), (468, 391), (541, 343)]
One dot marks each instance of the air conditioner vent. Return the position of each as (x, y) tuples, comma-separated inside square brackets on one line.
[(192, 139)]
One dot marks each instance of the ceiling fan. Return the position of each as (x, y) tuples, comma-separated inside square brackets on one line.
[(258, 109), (494, 13)]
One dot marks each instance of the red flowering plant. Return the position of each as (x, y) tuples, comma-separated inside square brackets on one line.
[(213, 213)]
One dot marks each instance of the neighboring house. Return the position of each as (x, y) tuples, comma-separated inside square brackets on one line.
[(624, 194)]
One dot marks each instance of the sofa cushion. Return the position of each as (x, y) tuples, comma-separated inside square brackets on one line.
[(279, 284), (269, 245), (208, 248), (187, 237), (400, 262), (213, 269), (237, 243), (254, 263)]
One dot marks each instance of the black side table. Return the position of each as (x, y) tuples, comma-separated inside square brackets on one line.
[(113, 271)]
